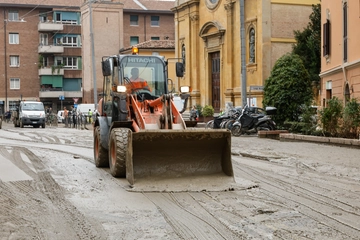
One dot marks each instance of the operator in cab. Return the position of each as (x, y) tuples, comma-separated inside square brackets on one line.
[(136, 83)]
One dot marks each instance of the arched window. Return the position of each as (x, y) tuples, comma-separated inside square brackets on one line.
[(183, 55)]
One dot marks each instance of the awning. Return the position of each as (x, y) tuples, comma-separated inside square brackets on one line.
[(55, 81)]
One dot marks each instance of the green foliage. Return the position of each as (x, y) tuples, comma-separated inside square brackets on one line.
[(331, 117), (207, 111), (307, 123), (287, 88), (351, 124), (199, 109), (308, 45), (41, 59)]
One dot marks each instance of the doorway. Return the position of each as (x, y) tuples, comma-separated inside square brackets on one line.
[(215, 80)]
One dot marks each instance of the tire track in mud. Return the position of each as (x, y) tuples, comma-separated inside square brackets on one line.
[(38, 209), (188, 218), (314, 203), (38, 137)]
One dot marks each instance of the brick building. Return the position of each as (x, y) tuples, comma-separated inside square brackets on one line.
[(117, 25), (47, 49), (31, 34)]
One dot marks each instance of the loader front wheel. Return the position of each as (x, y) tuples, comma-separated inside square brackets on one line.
[(119, 151), (101, 155)]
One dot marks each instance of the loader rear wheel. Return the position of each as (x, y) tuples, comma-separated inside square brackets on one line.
[(101, 154), (119, 151)]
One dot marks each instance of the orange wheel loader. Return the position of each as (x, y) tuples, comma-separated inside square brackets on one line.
[(141, 135)]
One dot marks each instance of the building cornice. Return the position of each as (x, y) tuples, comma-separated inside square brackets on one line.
[(185, 5), (340, 68), (296, 2)]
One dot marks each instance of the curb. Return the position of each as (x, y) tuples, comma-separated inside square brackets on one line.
[(324, 140)]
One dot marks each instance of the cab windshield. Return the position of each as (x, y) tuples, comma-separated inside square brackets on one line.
[(150, 69)]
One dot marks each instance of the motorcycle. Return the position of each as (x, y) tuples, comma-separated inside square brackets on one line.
[(248, 123), (225, 120)]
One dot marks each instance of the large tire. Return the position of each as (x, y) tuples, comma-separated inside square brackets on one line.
[(43, 125), (101, 154), (119, 151), (236, 130)]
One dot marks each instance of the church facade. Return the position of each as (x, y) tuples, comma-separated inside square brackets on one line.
[(229, 47)]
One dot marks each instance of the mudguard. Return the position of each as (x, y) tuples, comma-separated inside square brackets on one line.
[(103, 122)]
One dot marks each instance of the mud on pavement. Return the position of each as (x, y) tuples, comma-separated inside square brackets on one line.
[(52, 190)]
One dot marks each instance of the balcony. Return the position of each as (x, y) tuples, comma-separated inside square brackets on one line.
[(56, 94), (50, 49), (50, 26), (51, 71)]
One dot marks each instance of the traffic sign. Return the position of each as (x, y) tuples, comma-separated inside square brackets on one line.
[(61, 98)]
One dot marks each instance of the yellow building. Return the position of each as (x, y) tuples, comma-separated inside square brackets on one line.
[(340, 62), (229, 55)]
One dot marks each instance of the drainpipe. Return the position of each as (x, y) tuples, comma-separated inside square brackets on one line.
[(145, 28), (5, 62), (243, 63)]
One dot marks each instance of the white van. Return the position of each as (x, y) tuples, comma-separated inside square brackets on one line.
[(84, 108), (30, 113)]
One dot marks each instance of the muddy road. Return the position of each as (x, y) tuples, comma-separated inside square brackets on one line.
[(51, 189)]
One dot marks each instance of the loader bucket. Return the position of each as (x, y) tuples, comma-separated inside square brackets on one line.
[(180, 160)]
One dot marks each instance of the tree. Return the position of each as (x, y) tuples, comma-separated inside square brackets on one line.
[(308, 45), (288, 88)]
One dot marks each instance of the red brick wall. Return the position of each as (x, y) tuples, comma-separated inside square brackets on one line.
[(145, 31)]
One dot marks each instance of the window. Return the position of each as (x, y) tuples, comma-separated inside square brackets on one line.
[(44, 39), (12, 105), (69, 41), (155, 38), (66, 18), (14, 83), (42, 17), (326, 38), (134, 20), (134, 40), (14, 38), (155, 21), (345, 30), (14, 61), (70, 62), (13, 16), (58, 17)]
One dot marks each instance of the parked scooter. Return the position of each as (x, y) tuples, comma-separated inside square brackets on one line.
[(249, 123)]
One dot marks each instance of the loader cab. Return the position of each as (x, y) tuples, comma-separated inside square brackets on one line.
[(152, 69)]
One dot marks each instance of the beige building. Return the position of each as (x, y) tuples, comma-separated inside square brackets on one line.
[(117, 25), (211, 43), (340, 62)]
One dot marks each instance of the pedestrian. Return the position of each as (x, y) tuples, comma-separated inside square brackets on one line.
[(194, 114), (73, 112), (90, 113), (66, 116)]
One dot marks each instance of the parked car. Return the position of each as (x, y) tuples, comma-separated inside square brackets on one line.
[(60, 116)]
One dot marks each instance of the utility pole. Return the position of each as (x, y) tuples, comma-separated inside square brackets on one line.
[(243, 51), (93, 53)]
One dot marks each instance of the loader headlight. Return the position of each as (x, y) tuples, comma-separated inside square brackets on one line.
[(121, 89), (185, 89)]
